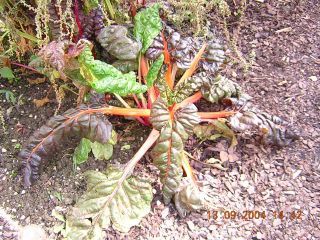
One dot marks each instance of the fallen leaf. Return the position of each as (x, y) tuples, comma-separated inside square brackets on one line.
[(41, 102), (37, 80)]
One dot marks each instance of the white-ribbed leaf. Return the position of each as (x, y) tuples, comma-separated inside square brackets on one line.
[(111, 198)]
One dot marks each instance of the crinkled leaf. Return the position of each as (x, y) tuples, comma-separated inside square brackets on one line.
[(106, 78), (167, 156), (154, 70), (168, 151), (83, 121), (102, 151), (165, 92), (222, 128), (126, 66), (147, 25), (76, 76), (191, 85), (111, 197), (215, 89), (270, 127), (184, 49), (82, 151), (215, 129), (214, 57), (115, 41), (7, 73), (206, 132), (188, 198), (54, 54)]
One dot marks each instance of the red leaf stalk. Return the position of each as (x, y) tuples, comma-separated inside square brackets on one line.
[(76, 13)]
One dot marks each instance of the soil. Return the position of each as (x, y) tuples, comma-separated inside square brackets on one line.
[(283, 80)]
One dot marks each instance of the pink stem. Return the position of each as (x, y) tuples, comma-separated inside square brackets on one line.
[(26, 67), (137, 101)]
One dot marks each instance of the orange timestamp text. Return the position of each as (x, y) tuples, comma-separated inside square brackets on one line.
[(254, 214)]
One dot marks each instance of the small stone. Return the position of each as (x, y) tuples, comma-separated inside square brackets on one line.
[(165, 213), (23, 192), (22, 217), (313, 78), (30, 115), (154, 191), (3, 150), (14, 140)]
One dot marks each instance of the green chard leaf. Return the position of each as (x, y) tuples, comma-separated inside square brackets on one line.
[(106, 78), (147, 25), (104, 151), (82, 151), (111, 197), (101, 151), (168, 152), (154, 70)]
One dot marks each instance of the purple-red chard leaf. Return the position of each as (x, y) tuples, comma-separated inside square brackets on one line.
[(83, 121), (217, 88), (274, 130), (54, 54), (115, 41), (169, 149)]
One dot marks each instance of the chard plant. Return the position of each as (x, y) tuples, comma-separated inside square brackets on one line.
[(181, 72)]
